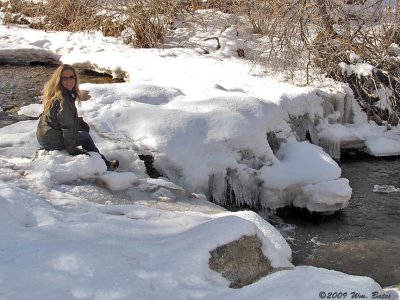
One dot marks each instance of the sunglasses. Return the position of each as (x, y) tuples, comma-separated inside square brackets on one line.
[(67, 78)]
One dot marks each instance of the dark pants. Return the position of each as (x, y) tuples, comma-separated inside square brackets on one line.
[(83, 138)]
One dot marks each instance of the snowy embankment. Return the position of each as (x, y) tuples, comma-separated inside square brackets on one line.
[(60, 247), (205, 119), (72, 230), (64, 236)]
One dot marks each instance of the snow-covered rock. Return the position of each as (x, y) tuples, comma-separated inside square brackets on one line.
[(28, 56)]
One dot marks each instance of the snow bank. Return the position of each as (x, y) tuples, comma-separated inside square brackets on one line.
[(205, 117), (195, 128), (93, 251), (192, 139)]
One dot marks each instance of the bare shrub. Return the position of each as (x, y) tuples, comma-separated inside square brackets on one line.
[(20, 12), (76, 15), (192, 5), (112, 28), (72, 15), (143, 22), (318, 34), (15, 6), (7, 19), (367, 31), (226, 6), (284, 34), (146, 21), (30, 9), (312, 37)]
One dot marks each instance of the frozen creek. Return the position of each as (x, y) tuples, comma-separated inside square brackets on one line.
[(362, 239)]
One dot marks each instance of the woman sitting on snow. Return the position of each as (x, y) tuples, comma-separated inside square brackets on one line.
[(59, 126)]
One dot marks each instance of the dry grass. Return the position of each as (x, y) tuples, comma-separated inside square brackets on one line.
[(71, 15), (19, 12), (297, 34), (146, 21)]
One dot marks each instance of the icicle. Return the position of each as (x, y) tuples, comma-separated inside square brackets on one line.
[(217, 187), (234, 187), (340, 103), (331, 147), (348, 109), (244, 187)]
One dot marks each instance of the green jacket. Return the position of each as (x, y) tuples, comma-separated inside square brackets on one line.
[(56, 129)]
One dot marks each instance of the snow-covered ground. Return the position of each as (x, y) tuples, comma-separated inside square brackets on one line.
[(71, 230)]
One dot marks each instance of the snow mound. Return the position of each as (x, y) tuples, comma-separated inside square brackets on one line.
[(225, 135), (58, 167)]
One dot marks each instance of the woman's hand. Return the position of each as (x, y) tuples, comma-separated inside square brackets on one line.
[(77, 151)]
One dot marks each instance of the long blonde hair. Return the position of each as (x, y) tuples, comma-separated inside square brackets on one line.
[(52, 90)]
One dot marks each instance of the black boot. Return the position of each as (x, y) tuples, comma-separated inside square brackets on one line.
[(112, 165)]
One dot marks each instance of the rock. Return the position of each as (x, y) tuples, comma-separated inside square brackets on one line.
[(148, 163), (29, 56), (85, 95), (242, 262)]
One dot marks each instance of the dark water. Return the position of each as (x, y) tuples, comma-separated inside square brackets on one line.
[(362, 239), (22, 85)]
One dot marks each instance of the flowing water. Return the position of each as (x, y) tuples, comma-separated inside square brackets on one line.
[(362, 239)]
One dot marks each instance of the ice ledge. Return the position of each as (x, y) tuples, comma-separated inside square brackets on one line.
[(317, 188)]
